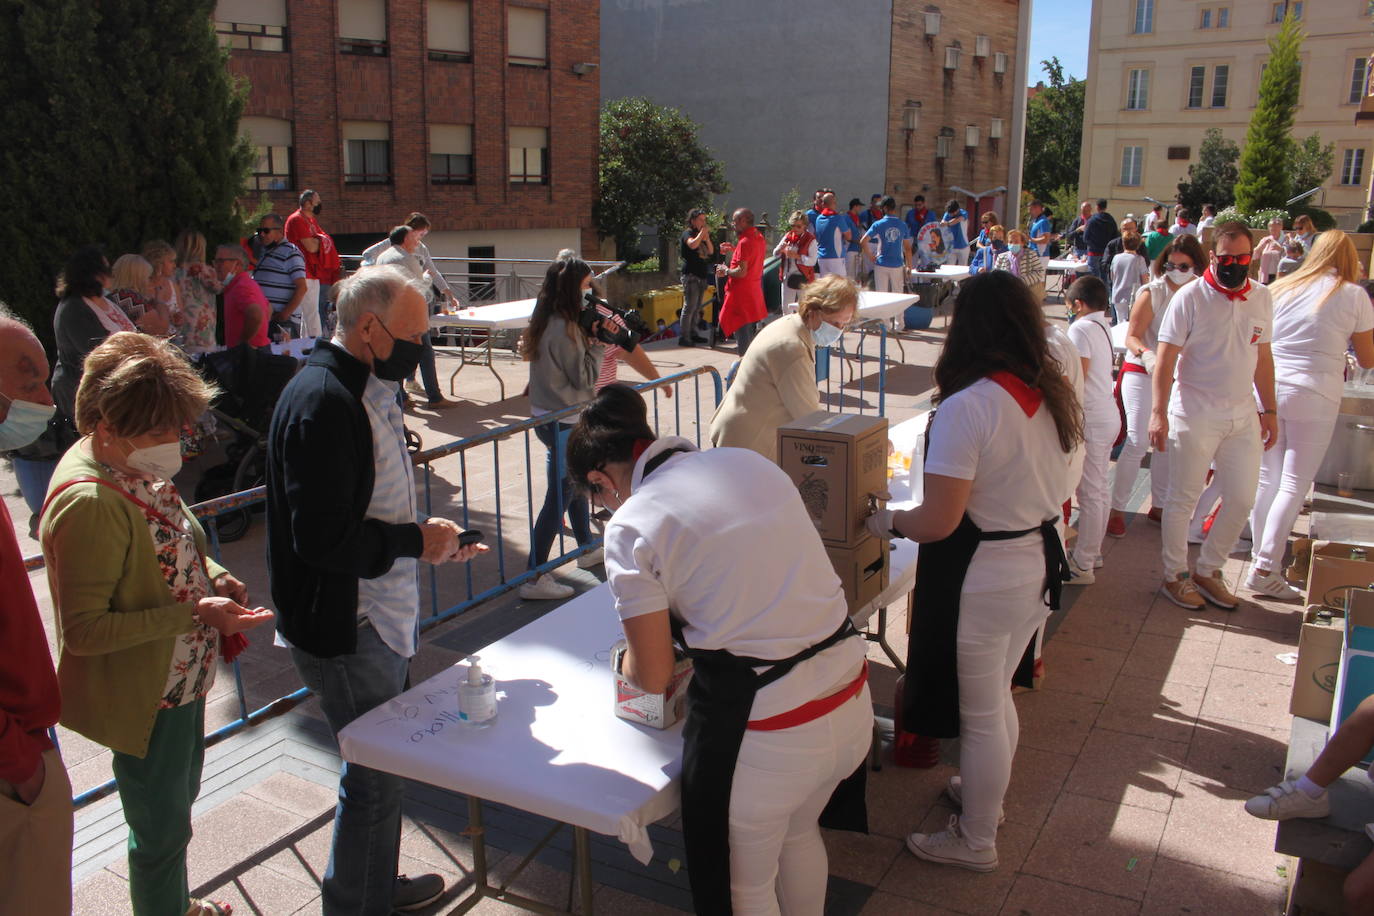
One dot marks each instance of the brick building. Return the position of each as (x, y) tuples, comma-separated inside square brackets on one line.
[(483, 115)]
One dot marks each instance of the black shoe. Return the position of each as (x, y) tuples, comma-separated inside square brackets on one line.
[(416, 893), (686, 342)]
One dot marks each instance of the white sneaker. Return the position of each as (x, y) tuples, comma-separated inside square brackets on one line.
[(950, 847), (1078, 575), (1286, 800), (592, 560), (1273, 585), (955, 790), (545, 588)]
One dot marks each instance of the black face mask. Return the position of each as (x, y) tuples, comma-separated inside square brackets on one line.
[(403, 361), (317, 209), (1231, 276)]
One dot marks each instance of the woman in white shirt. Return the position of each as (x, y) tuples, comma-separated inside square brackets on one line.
[(997, 458), (1092, 336), (1178, 263), (798, 252), (1318, 310), (717, 548)]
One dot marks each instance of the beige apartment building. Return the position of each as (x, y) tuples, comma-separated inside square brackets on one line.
[(1160, 72)]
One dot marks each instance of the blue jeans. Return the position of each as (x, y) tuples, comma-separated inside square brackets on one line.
[(1095, 268), (325, 305), (361, 876), (34, 475), (560, 497)]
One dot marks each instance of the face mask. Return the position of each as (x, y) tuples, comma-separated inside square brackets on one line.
[(1014, 247), (401, 364), (24, 423), (827, 335), (1183, 222), (1231, 276), (161, 461), (317, 209), (1179, 277)]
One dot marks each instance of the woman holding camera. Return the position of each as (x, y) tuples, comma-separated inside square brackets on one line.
[(564, 364), (778, 709)]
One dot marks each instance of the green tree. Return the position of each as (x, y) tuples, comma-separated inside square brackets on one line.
[(1212, 179), (1265, 175), (1312, 164), (1054, 133), (121, 126), (653, 170)]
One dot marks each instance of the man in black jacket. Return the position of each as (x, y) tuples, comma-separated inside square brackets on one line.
[(1099, 230), (342, 546)]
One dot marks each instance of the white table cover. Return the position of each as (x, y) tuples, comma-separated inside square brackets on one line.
[(873, 305), (905, 486), (556, 749), (955, 272), (1065, 265), (514, 314)]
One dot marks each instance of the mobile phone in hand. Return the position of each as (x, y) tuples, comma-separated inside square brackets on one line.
[(470, 537)]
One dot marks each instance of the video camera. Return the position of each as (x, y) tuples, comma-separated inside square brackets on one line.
[(594, 309)]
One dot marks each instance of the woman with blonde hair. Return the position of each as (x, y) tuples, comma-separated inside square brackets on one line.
[(141, 610), (131, 277), (776, 380), (1305, 231), (163, 257), (196, 285), (1319, 309)]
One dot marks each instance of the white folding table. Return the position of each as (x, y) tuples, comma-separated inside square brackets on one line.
[(500, 316), (1061, 266)]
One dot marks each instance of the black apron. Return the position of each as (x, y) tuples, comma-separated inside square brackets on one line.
[(930, 695)]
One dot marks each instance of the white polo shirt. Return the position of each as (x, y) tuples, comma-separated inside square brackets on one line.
[(1312, 330), (1220, 337), (722, 538), (1092, 337), (1019, 476)]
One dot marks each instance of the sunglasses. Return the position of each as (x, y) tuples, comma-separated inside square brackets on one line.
[(1170, 265), (1226, 260), (264, 230)]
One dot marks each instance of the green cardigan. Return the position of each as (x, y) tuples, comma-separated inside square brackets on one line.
[(116, 621)]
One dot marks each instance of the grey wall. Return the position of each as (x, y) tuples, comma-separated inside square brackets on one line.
[(787, 93)]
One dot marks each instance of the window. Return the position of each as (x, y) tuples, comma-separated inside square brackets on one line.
[(528, 37), (1359, 80), (1131, 158), (1144, 16), (1197, 80), (450, 154), (1223, 17), (271, 139), (1138, 90), (1283, 7), (529, 155), (1352, 167), (450, 29), (1206, 22), (1221, 75), (367, 152), (362, 27), (251, 25), (1180, 152)]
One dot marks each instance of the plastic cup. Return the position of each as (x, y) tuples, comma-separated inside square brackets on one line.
[(1344, 486)]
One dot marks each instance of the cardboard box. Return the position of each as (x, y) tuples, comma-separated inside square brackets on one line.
[(656, 710), (863, 570), (1333, 568), (836, 461), (1319, 660), (1355, 680)]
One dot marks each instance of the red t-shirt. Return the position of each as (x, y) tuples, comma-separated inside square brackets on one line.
[(240, 292), (300, 225), (744, 294), (30, 701)]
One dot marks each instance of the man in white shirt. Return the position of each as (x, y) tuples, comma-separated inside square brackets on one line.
[(1215, 337)]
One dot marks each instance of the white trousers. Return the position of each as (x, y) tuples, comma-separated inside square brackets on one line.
[(854, 264), (958, 256), (1094, 494), (789, 299), (309, 310), (827, 266), (994, 630), (888, 279), (1233, 447), (1306, 420), (783, 780), (1137, 397)]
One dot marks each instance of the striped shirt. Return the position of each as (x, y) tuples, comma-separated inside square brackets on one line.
[(610, 362), (392, 600), (277, 272)]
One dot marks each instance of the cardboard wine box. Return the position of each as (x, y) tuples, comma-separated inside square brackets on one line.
[(656, 710), (836, 460), (1319, 658), (1334, 568), (863, 570)]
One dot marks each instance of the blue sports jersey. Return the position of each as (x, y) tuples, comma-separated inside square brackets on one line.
[(829, 241), (855, 231), (956, 231), (890, 233), (1038, 228)]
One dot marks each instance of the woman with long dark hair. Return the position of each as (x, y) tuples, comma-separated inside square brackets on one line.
[(997, 461), (717, 548), (564, 363)]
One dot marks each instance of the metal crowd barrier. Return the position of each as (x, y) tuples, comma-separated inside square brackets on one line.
[(662, 411), (854, 362)]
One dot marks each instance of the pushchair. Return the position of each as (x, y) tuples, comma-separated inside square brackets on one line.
[(250, 382)]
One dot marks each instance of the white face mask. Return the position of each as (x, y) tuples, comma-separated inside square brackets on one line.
[(162, 461), (24, 423), (827, 335), (1180, 277)]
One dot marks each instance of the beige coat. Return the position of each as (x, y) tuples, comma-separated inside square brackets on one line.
[(775, 384)]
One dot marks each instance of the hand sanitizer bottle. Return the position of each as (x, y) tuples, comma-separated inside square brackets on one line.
[(477, 696)]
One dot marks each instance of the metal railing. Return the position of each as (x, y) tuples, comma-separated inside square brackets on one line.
[(472, 512)]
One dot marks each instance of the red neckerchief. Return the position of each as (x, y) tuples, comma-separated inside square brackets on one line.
[(827, 212), (876, 213), (640, 447), (1231, 294), (921, 213), (1026, 397)]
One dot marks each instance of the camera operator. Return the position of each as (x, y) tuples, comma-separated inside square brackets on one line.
[(565, 353)]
